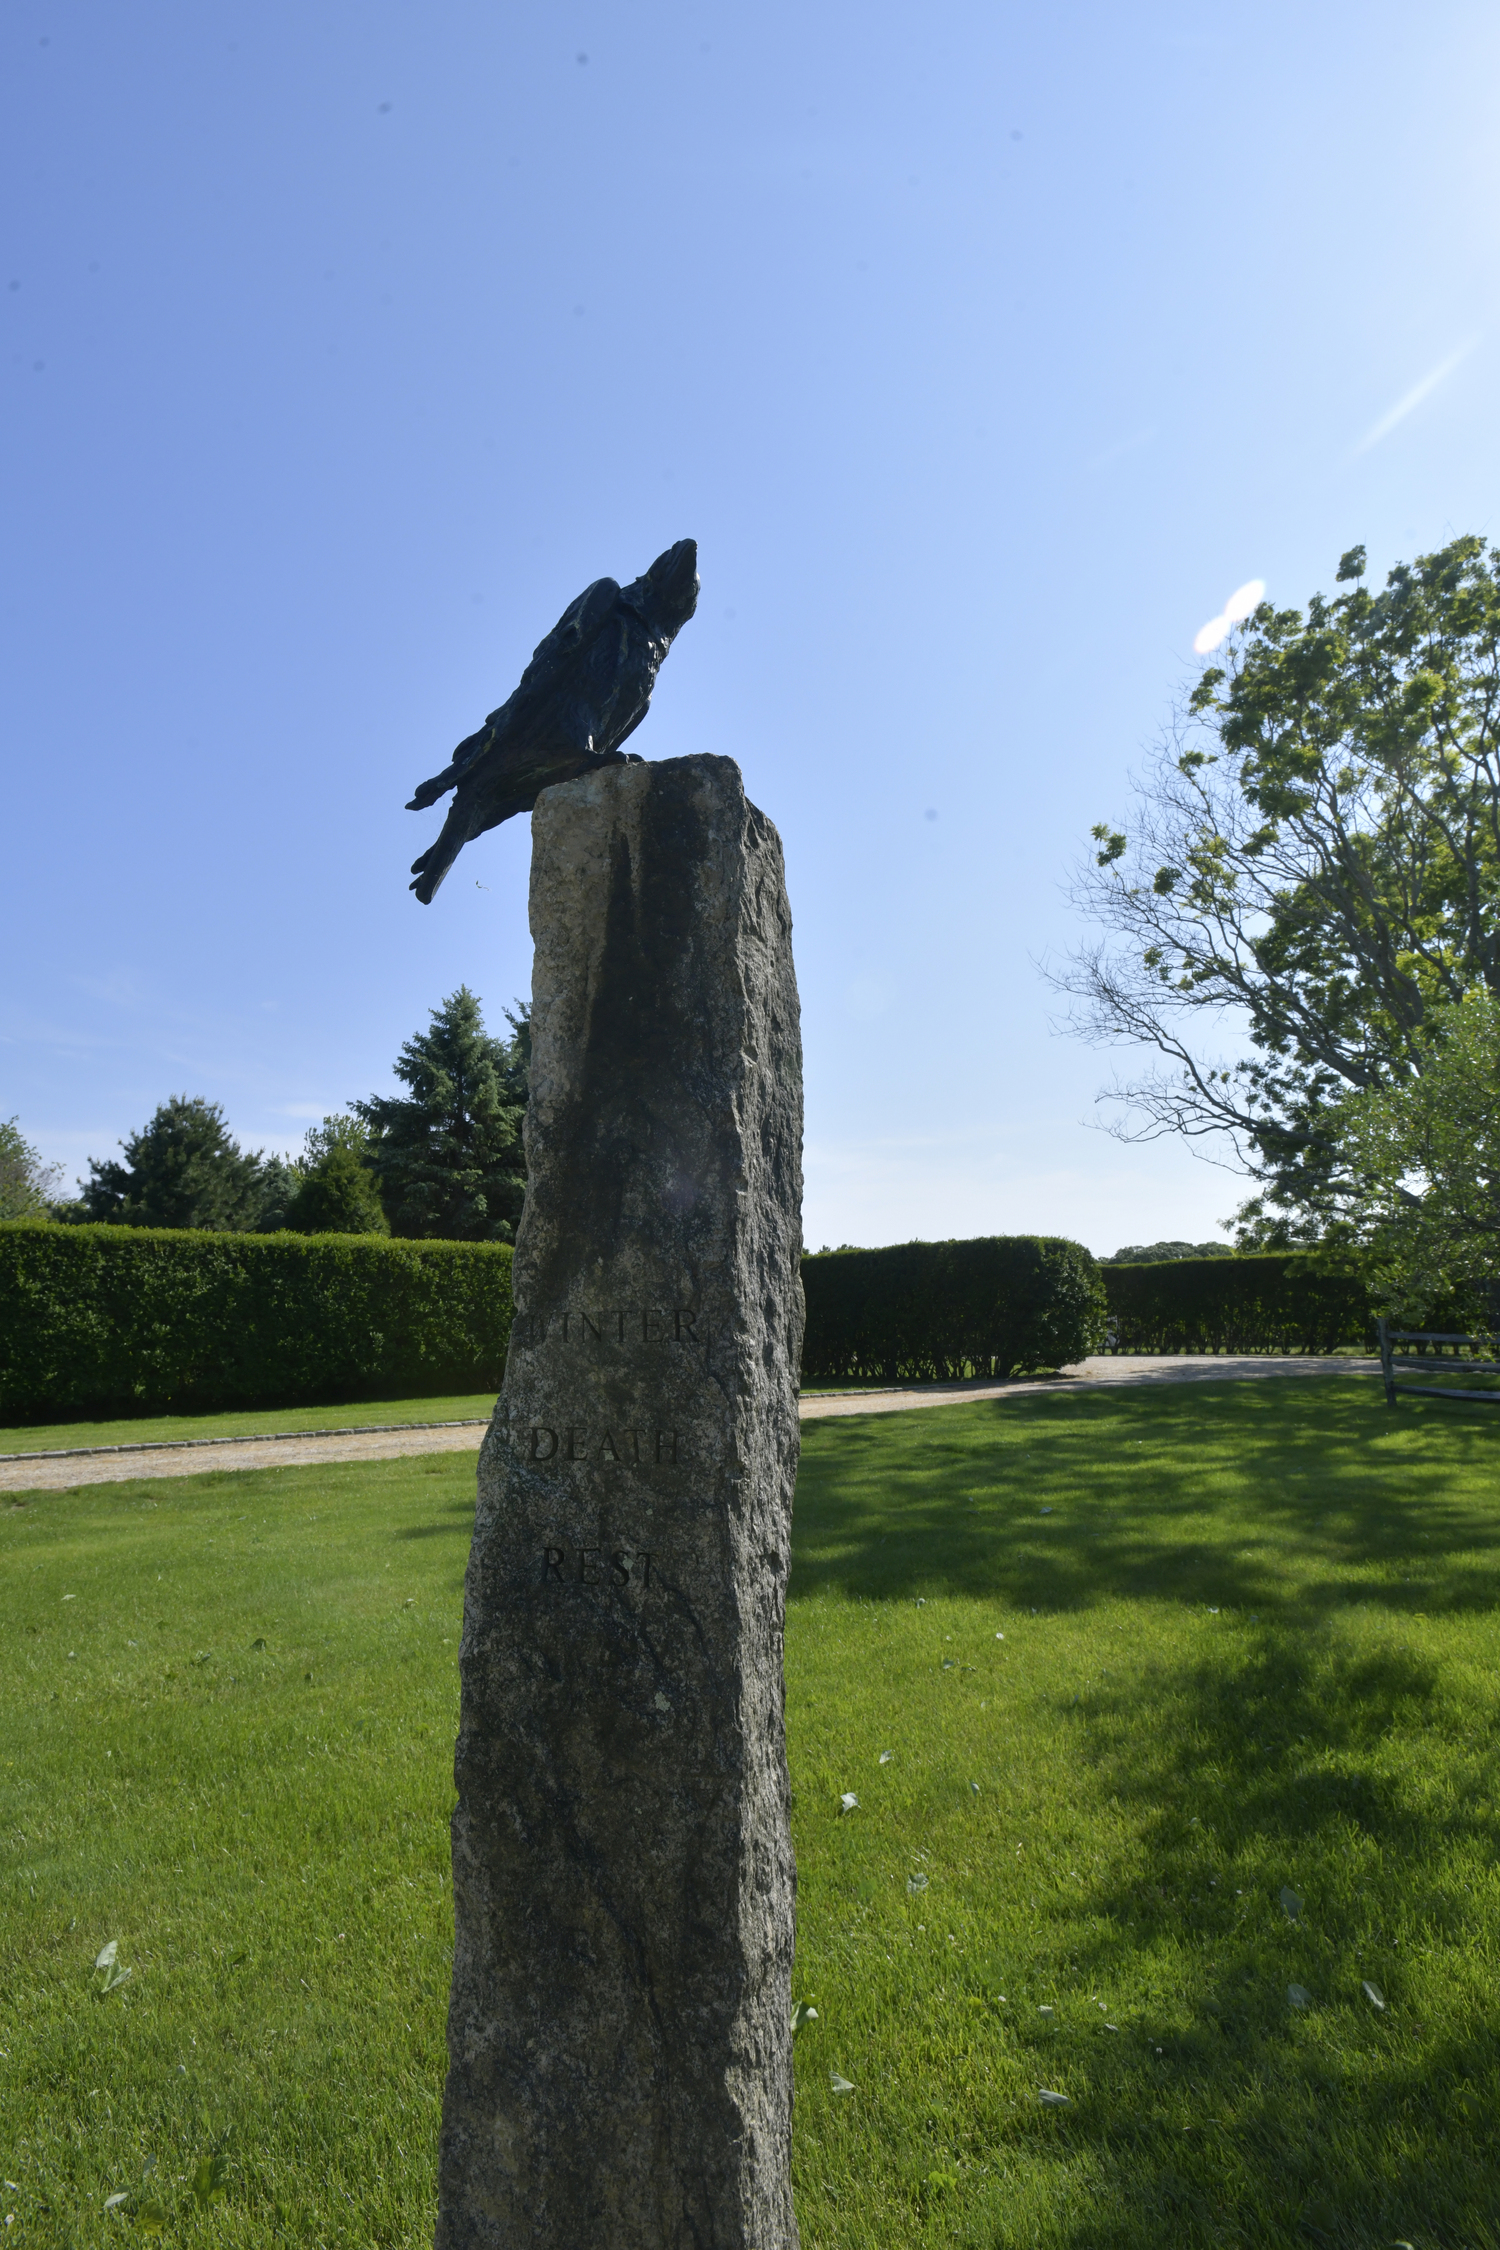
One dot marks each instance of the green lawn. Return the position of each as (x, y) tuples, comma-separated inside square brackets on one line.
[(160, 1429), (1250, 1652)]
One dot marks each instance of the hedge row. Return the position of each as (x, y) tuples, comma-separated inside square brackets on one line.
[(119, 1320), (99, 1320), (1270, 1302), (924, 1311)]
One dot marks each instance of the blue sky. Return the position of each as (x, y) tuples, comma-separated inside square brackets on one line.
[(983, 350)]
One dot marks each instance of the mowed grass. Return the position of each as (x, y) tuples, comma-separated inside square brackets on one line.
[(232, 1701), (1249, 1650), (1239, 1737)]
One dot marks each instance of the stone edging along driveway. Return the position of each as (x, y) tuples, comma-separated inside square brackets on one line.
[(63, 1471)]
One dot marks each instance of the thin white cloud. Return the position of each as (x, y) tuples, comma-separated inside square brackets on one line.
[(1413, 398)]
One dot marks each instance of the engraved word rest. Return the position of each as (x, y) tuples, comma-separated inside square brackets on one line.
[(597, 1566)]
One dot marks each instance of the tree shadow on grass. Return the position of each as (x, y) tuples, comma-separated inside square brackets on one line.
[(1306, 1816), (1251, 1495), (1301, 1748), (458, 1521)]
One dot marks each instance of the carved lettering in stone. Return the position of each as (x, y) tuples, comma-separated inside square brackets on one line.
[(622, 1444), (617, 1324), (594, 1566)]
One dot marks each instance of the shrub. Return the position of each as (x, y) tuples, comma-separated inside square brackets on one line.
[(98, 1320), (936, 1310), (338, 1196), (1273, 1302)]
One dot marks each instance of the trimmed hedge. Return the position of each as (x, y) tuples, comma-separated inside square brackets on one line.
[(99, 1320), (932, 1311), (1275, 1301)]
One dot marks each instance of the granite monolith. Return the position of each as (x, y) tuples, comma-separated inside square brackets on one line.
[(619, 2029)]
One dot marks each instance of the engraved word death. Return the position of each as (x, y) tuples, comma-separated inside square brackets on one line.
[(645, 1448)]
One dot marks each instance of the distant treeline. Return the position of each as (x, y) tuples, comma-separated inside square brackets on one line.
[(1156, 1253), (443, 1162)]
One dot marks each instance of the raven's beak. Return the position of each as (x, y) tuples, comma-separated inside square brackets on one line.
[(674, 583)]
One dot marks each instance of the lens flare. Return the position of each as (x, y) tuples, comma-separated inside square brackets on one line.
[(1240, 605)]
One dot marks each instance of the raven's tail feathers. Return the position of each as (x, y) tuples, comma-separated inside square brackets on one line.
[(435, 862), (453, 772)]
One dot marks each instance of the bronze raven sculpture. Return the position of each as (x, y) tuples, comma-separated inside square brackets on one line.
[(586, 688)]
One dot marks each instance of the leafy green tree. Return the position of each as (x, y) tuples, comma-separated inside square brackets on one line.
[(1424, 1155), (1314, 861), (329, 1188), (183, 1169), (340, 1131), (448, 1157), (26, 1183)]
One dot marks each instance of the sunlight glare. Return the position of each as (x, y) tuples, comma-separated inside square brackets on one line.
[(1244, 599), (1240, 605)]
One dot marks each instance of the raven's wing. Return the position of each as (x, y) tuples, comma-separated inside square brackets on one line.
[(578, 625)]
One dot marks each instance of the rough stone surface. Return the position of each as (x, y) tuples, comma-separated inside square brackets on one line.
[(619, 2035)]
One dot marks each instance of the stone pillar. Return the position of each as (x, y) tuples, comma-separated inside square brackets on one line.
[(619, 2036)]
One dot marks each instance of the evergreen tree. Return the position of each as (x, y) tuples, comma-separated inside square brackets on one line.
[(279, 1182), (448, 1158), (181, 1170), (515, 1071)]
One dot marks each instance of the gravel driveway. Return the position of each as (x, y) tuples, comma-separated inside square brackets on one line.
[(1088, 1375)]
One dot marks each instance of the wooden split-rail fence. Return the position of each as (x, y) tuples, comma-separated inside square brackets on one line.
[(1435, 1351)]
